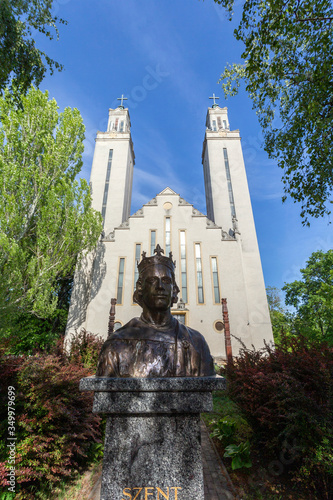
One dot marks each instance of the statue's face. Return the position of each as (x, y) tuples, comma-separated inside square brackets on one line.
[(157, 287)]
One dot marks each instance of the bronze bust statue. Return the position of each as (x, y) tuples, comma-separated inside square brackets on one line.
[(156, 344)]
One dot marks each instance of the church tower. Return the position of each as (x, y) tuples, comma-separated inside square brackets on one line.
[(229, 205), (112, 169)]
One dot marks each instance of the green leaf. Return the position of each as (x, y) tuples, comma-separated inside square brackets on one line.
[(46, 219), (312, 297), (21, 62), (240, 455), (287, 70)]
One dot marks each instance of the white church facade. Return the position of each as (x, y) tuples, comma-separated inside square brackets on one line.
[(216, 255)]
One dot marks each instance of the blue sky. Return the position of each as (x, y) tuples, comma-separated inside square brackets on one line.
[(166, 57)]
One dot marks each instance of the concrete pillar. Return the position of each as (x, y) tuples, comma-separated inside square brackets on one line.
[(152, 440)]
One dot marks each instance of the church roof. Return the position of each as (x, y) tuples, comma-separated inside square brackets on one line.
[(153, 202), (166, 191), (181, 202)]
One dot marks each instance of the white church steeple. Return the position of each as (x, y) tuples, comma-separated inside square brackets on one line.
[(112, 169), (229, 206), (221, 149)]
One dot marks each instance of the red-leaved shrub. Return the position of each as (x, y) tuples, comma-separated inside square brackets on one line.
[(55, 426), (286, 394), (85, 348)]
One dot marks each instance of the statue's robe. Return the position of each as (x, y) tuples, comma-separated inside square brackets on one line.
[(139, 349)]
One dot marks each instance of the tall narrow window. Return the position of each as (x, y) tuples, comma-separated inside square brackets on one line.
[(214, 126), (116, 124), (224, 123), (199, 273), (227, 171), (121, 126), (137, 260), (152, 241), (219, 124), (167, 236), (106, 187), (183, 269), (215, 276), (120, 287)]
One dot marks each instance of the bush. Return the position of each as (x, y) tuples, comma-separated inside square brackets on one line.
[(286, 396), (231, 429), (85, 348), (29, 334), (56, 431), (317, 469)]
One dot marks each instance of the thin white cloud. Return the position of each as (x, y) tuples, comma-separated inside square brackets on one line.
[(156, 41)]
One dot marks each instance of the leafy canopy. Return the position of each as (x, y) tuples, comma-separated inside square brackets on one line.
[(46, 219), (312, 296), (288, 71), (21, 62)]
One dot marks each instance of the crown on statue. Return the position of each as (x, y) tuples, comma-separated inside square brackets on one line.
[(158, 258)]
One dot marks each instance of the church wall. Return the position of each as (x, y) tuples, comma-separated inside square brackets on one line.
[(259, 319), (80, 296), (199, 316)]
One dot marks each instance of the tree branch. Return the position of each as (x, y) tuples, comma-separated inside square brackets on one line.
[(313, 19)]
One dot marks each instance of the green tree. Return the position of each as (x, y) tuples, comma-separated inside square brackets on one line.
[(21, 62), (281, 319), (46, 219), (288, 71), (312, 296)]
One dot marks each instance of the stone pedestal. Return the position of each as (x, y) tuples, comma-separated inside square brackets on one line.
[(152, 440)]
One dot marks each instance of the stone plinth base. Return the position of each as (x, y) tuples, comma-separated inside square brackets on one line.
[(152, 440)]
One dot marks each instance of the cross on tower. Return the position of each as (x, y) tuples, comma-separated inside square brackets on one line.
[(214, 100), (122, 99)]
